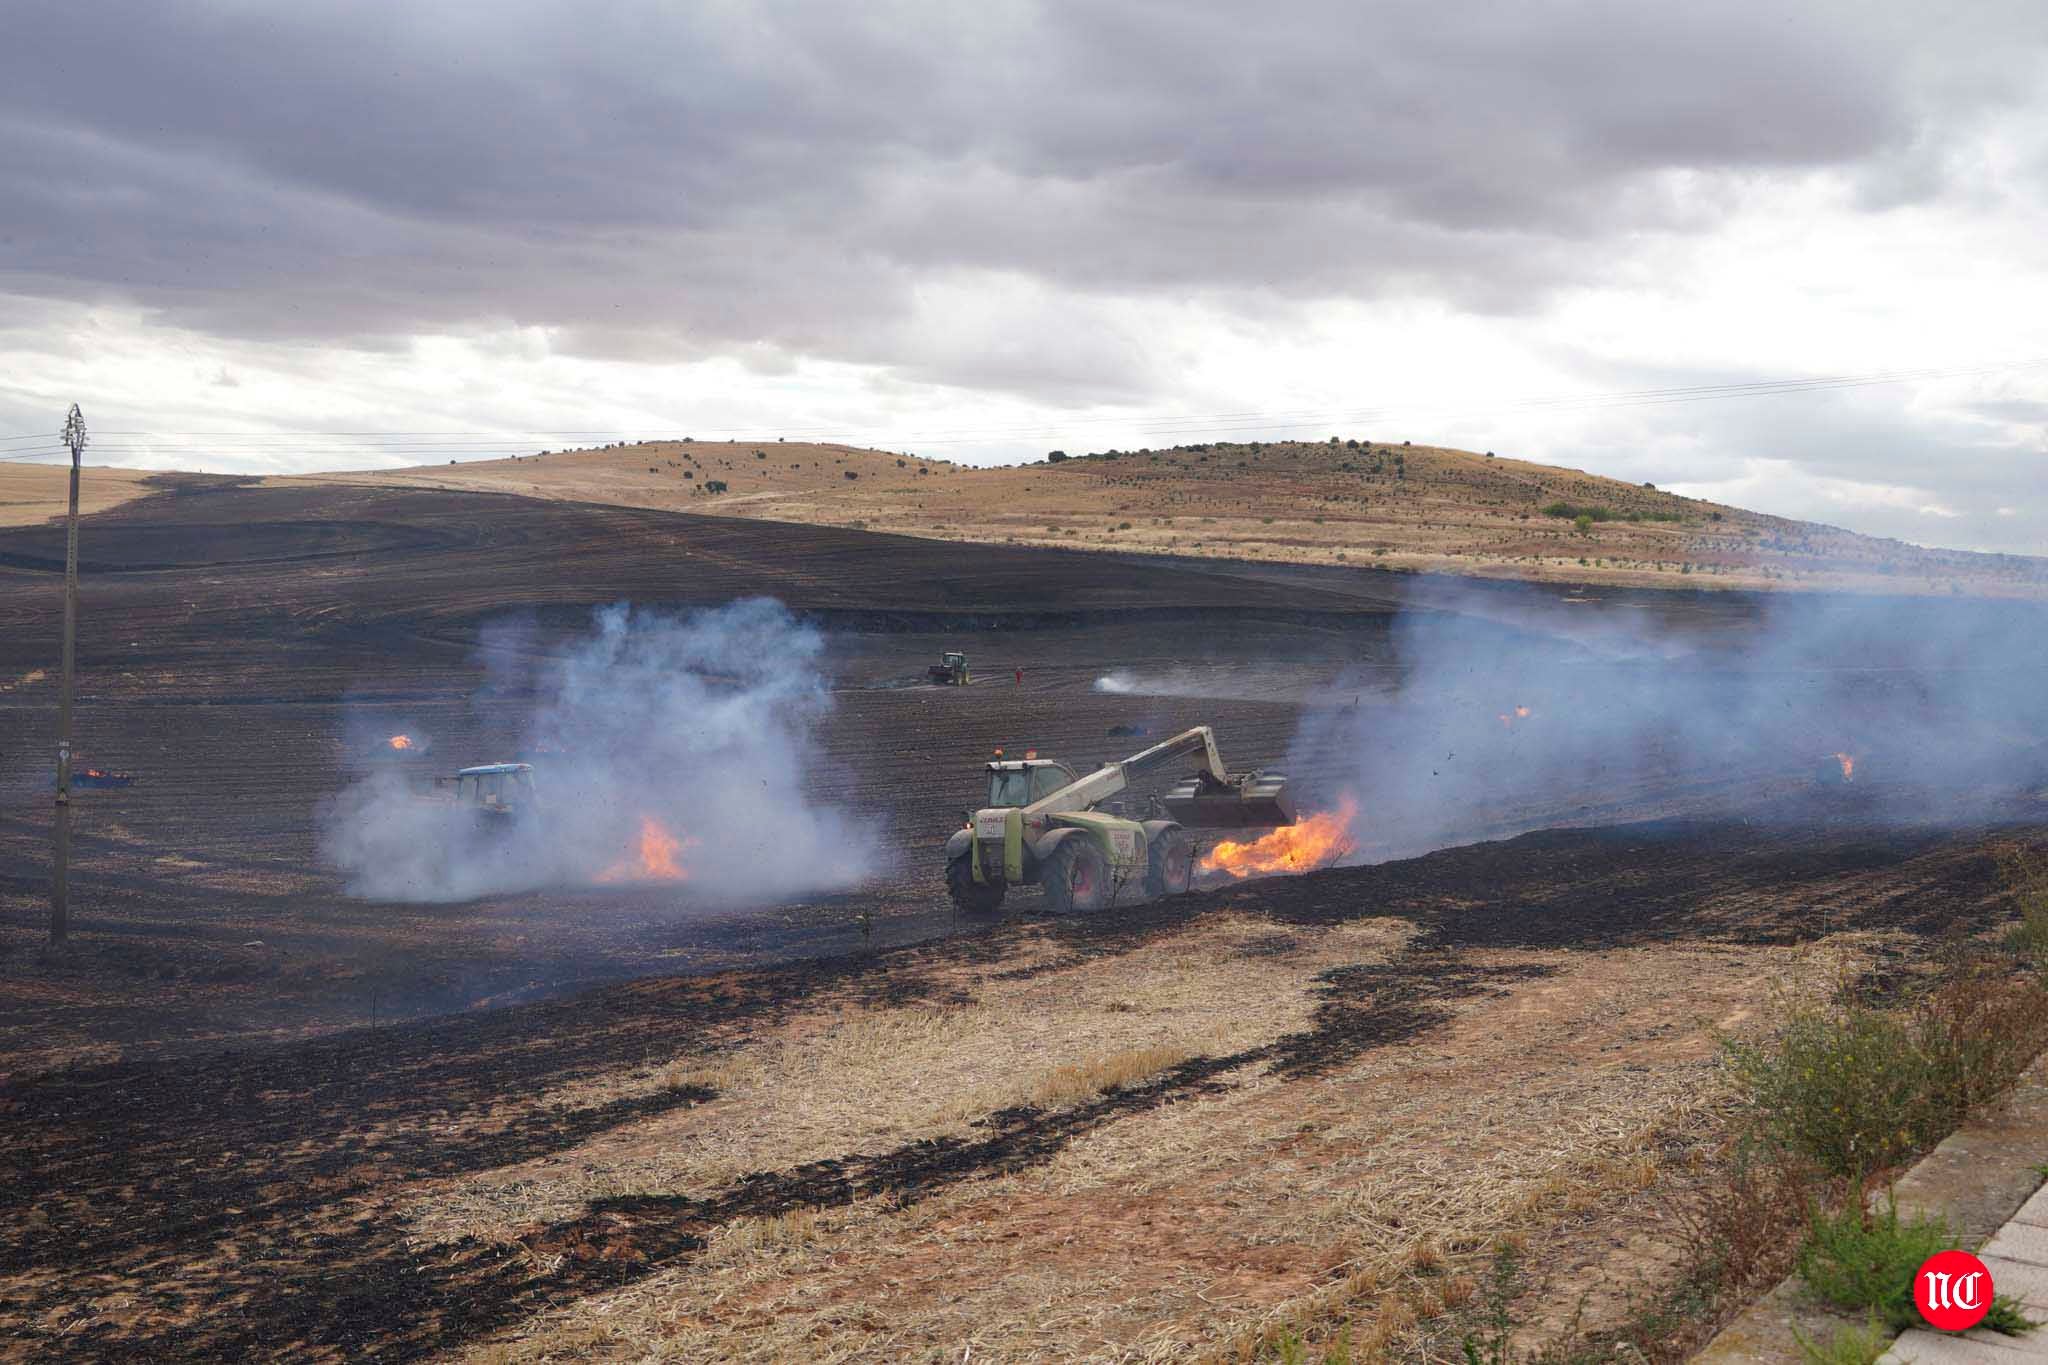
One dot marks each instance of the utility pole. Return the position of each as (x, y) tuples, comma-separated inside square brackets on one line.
[(60, 881)]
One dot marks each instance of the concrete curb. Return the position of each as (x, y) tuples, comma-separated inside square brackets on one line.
[(1978, 1179)]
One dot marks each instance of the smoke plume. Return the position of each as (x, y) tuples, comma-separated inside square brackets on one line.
[(1565, 717), (666, 750)]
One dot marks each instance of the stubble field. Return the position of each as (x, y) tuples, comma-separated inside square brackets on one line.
[(250, 1113)]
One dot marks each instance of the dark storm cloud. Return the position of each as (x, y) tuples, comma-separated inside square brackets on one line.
[(674, 180)]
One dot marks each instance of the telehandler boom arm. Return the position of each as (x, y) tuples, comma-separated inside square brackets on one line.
[(1213, 799), (1112, 778)]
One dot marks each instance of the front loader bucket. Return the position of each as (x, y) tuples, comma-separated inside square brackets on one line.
[(1255, 802)]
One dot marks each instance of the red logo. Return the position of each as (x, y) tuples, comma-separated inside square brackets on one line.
[(1953, 1290)]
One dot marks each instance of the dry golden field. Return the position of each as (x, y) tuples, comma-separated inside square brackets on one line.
[(32, 493), (1412, 507)]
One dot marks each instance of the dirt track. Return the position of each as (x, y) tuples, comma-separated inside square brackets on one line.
[(201, 1165)]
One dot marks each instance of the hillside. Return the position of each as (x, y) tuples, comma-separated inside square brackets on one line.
[(1394, 506), (32, 493)]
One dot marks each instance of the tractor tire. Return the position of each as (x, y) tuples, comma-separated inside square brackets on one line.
[(1076, 877), (1170, 864), (971, 897)]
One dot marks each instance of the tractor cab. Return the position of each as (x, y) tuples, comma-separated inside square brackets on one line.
[(1023, 781), (496, 788)]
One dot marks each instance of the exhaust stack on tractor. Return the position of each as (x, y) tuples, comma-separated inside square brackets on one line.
[(1041, 826)]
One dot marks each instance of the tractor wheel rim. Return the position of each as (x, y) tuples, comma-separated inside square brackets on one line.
[(1083, 880)]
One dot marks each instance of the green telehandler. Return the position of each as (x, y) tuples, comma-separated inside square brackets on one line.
[(1041, 826)]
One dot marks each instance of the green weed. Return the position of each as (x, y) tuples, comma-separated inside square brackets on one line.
[(1846, 1345)]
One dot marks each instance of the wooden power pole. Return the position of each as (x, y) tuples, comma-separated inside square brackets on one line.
[(60, 881)]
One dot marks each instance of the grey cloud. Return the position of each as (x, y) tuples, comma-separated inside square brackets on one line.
[(2019, 411), (1852, 436), (667, 181)]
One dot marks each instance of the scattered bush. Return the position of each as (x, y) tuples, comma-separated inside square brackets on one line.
[(2028, 878), (1858, 1090), (1055, 456), (1566, 511), (714, 485), (851, 475), (1855, 1259)]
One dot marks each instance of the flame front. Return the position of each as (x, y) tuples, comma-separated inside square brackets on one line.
[(401, 741), (1848, 762), (654, 858), (1314, 841)]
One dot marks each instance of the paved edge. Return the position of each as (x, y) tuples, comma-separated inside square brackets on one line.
[(1978, 1178)]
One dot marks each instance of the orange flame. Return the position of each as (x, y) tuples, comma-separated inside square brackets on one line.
[(1848, 762), (401, 741), (1311, 842), (653, 859), (1508, 718)]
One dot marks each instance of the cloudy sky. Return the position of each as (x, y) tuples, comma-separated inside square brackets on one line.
[(1785, 255)]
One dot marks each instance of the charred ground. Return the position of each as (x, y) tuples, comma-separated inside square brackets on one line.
[(211, 1151), (246, 650)]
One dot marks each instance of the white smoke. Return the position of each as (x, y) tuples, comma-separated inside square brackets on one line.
[(1943, 706), (696, 728), (1240, 681)]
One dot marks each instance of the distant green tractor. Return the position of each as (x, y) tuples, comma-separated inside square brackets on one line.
[(1041, 826), (950, 670), (493, 791)]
